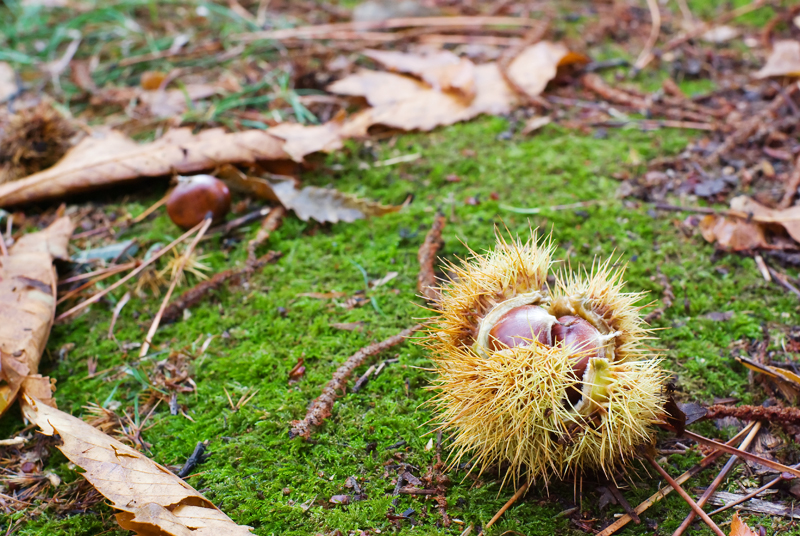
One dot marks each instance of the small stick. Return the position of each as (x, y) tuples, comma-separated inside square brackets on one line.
[(624, 502), (772, 414), (117, 310), (655, 30), (319, 31), (155, 206), (104, 275), (114, 267), (321, 407), (198, 456), (508, 504), (754, 493), (362, 381), (122, 281), (685, 496), (784, 282), (157, 320), (718, 480), (271, 223), (426, 280), (741, 453), (791, 186), (666, 490)]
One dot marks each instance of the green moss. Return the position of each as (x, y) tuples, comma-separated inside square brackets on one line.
[(261, 478)]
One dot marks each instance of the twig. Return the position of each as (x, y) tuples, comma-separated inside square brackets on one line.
[(508, 504), (114, 270), (655, 30), (663, 492), (270, 224), (122, 281), (623, 502), (718, 480), (362, 381), (754, 493), (198, 456), (787, 415), (653, 124), (195, 295), (117, 310), (322, 30), (685, 496), (791, 186), (595, 83), (741, 453), (783, 281), (321, 407), (157, 320), (155, 206), (749, 126), (426, 280)]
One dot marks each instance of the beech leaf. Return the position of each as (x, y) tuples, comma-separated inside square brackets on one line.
[(302, 140), (784, 60), (788, 218), (441, 69), (153, 501), (27, 306), (732, 233), (112, 157), (537, 64), (403, 102), (326, 204), (740, 528)]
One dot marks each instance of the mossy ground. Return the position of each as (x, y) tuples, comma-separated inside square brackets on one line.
[(257, 475), (261, 478)]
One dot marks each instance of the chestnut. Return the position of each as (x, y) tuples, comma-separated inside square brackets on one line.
[(576, 332), (521, 326), (196, 196)]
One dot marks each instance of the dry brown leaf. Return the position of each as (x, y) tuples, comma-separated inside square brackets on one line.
[(720, 34), (535, 123), (154, 502), (788, 218), (327, 205), (156, 102), (302, 140), (8, 82), (441, 69), (27, 306), (732, 233), (113, 158), (321, 204), (788, 382), (537, 64), (402, 102), (740, 528), (784, 60)]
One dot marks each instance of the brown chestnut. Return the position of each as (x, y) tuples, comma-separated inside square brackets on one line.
[(576, 332), (520, 326), (194, 197)]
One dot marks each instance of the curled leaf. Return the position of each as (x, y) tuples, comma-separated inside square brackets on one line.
[(27, 307), (152, 500)]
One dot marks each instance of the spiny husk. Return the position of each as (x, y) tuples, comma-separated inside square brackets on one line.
[(510, 406)]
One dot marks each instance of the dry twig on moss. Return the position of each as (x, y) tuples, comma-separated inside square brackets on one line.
[(321, 407), (426, 280), (788, 415)]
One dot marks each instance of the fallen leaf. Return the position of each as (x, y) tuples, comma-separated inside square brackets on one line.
[(441, 69), (732, 233), (784, 60), (156, 102), (788, 382), (402, 102), (8, 82), (537, 64), (154, 502), (111, 157), (788, 218), (348, 326), (302, 140), (720, 34), (326, 204), (740, 528), (535, 123), (28, 296)]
